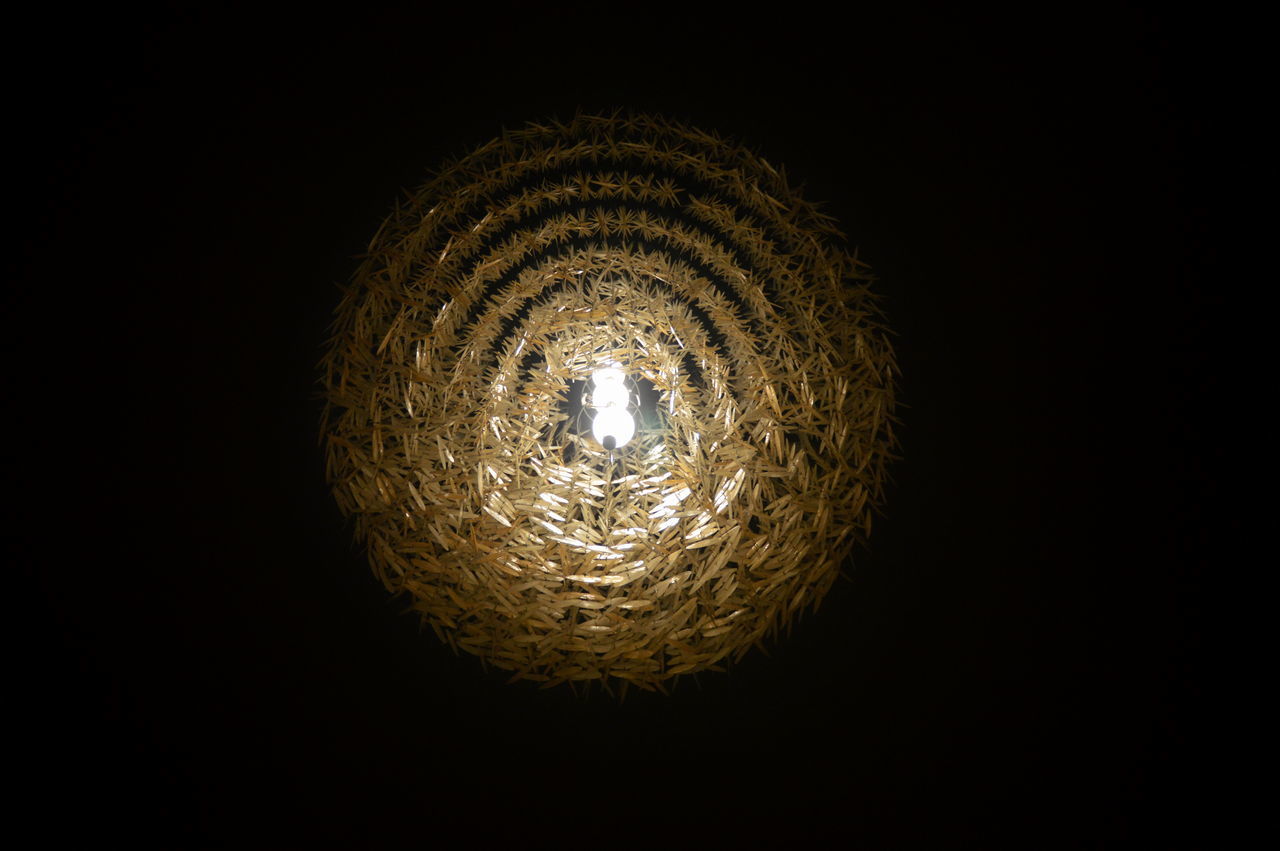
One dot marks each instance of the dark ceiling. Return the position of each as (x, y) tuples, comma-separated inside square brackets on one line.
[(206, 658)]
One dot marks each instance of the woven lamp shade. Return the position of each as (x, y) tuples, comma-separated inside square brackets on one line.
[(462, 375)]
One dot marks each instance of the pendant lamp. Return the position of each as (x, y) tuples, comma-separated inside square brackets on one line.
[(607, 400)]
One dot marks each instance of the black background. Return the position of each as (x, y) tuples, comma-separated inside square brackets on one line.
[(202, 656)]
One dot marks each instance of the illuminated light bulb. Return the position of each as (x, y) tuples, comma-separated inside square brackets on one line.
[(608, 375), (610, 396), (613, 427)]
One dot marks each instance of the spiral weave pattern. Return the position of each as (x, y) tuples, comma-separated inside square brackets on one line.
[(762, 389)]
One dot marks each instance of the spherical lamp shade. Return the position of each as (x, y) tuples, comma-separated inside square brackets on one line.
[(608, 401)]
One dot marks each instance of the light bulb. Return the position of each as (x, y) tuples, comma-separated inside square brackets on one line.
[(608, 375), (610, 396), (613, 427)]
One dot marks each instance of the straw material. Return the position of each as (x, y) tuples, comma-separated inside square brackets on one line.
[(761, 379)]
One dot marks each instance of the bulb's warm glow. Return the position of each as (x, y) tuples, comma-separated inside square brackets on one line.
[(613, 423)]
